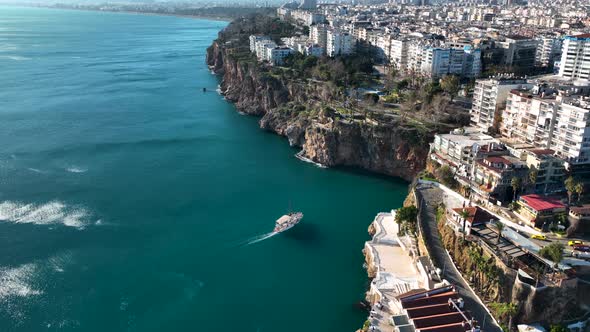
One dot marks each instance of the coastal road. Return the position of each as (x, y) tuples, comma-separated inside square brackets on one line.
[(428, 199)]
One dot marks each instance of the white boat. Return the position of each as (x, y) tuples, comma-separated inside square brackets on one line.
[(287, 221)]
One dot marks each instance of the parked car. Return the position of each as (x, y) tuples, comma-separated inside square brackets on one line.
[(572, 243), (539, 237), (582, 247)]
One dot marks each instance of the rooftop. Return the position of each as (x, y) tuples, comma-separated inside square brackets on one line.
[(436, 310), (542, 152), (542, 203), (476, 215)]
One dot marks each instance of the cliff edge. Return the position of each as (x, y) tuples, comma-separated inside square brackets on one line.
[(298, 109)]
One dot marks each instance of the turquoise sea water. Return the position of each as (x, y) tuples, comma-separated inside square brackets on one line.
[(128, 197)]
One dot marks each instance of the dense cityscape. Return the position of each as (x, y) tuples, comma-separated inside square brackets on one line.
[(505, 188), (482, 105)]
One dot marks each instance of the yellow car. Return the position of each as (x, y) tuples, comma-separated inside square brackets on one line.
[(539, 237), (574, 242)]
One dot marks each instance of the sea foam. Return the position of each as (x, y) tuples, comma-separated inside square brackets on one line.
[(14, 57), (75, 169), (17, 281), (54, 212)]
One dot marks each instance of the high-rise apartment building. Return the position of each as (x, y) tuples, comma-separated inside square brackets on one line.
[(489, 99), (338, 43), (575, 57), (318, 34), (530, 115), (548, 51)]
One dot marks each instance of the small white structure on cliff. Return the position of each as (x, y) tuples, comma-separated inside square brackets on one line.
[(394, 262)]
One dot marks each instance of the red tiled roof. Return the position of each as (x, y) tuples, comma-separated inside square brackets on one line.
[(542, 203), (476, 215), (456, 327), (436, 320), (434, 299), (428, 310), (498, 160), (540, 152)]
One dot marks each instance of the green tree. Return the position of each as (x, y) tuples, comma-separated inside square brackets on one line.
[(579, 189), (558, 328), (533, 174), (515, 182), (429, 91), (570, 186), (450, 84), (406, 214), (371, 98), (553, 252), (505, 311), (445, 175), (401, 85), (407, 218), (464, 214)]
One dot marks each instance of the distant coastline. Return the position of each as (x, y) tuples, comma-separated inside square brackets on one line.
[(237, 11)]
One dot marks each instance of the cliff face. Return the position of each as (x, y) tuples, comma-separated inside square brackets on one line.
[(292, 109)]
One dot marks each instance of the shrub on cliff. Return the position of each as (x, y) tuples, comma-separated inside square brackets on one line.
[(407, 218), (553, 252), (446, 176), (256, 24)]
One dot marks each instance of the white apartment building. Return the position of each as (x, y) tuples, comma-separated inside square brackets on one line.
[(318, 34), (551, 118), (489, 97), (307, 17), (276, 55), (529, 116), (575, 57), (437, 62), (338, 43), (398, 53), (548, 51), (571, 136), (261, 48), (415, 57), (459, 148), (254, 39)]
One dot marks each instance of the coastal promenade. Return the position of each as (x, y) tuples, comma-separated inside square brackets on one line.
[(390, 259), (428, 199)]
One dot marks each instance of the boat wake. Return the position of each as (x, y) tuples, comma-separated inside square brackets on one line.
[(54, 212), (300, 156), (260, 238), (75, 169)]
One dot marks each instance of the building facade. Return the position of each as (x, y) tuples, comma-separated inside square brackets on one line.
[(489, 99), (575, 57), (338, 43)]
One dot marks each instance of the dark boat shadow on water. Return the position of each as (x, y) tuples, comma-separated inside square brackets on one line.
[(305, 233)]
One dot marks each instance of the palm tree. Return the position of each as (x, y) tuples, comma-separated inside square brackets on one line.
[(533, 173), (464, 214), (570, 186), (515, 183), (499, 227), (579, 189), (505, 309)]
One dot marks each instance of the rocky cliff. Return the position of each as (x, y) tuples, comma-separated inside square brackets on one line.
[(296, 109)]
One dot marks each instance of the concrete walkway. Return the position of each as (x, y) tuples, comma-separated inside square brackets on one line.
[(429, 197)]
